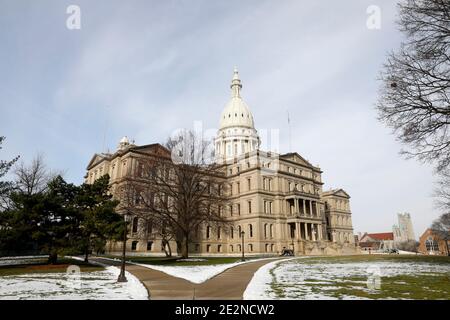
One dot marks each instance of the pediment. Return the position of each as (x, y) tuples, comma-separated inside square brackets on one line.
[(295, 157), (95, 159), (342, 193)]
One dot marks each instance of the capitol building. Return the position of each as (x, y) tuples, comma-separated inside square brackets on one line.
[(276, 199)]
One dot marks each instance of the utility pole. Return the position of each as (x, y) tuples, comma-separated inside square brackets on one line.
[(242, 236), (122, 277)]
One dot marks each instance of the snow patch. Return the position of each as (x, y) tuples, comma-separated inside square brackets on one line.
[(258, 287), (300, 279), (96, 285)]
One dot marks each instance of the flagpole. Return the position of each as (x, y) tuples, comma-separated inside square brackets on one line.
[(289, 128)]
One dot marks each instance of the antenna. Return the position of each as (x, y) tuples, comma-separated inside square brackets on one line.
[(104, 148), (289, 128)]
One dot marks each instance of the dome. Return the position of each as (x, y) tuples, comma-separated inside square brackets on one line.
[(237, 134), (124, 140), (236, 112)]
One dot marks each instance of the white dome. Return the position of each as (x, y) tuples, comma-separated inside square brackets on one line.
[(237, 134), (236, 114)]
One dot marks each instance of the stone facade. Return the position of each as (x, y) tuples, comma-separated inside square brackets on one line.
[(276, 199)]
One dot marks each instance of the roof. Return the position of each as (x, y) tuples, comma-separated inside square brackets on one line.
[(337, 192), (381, 236)]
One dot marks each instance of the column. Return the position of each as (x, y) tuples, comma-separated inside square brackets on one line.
[(310, 208), (317, 209), (295, 206), (306, 231), (304, 206), (298, 231), (319, 232)]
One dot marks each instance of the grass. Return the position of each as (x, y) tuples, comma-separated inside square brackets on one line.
[(43, 267), (376, 257), (421, 285), (173, 261)]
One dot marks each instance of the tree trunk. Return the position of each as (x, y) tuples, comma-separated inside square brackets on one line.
[(170, 249), (53, 257), (164, 244), (446, 244), (185, 247)]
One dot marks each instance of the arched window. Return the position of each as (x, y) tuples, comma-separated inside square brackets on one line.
[(149, 227), (231, 232), (265, 230), (218, 233), (135, 225), (431, 245), (208, 232), (231, 248), (250, 247), (271, 231), (239, 247), (250, 230), (267, 247)]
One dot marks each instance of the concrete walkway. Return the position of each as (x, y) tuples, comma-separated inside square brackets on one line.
[(228, 285)]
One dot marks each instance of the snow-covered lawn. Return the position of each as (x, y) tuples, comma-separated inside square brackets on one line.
[(95, 285), (325, 278), (10, 261)]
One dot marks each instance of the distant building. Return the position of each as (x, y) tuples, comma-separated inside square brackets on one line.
[(377, 241), (404, 230), (430, 243)]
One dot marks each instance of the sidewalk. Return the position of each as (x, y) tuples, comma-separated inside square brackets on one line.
[(228, 285)]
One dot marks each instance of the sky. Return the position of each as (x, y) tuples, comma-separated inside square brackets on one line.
[(143, 69)]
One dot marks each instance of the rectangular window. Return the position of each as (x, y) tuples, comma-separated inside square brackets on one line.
[(239, 209), (249, 184), (149, 245), (134, 245), (249, 207)]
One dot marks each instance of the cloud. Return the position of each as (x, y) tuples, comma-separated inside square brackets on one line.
[(146, 69)]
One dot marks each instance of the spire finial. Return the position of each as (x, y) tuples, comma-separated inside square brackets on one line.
[(236, 85)]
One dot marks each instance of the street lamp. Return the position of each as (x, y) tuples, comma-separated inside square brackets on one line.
[(242, 236), (122, 277)]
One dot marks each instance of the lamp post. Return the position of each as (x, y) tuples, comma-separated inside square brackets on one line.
[(242, 236), (122, 277)]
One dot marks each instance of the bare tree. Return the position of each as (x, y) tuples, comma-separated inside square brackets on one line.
[(415, 96), (131, 204), (442, 191), (410, 245), (5, 186), (33, 178), (441, 227), (184, 192)]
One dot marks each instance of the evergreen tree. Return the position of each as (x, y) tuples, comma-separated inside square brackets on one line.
[(99, 221)]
